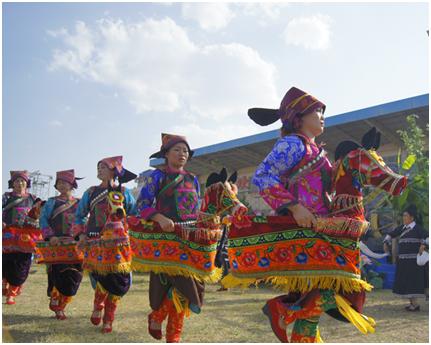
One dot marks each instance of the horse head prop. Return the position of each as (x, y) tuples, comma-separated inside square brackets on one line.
[(358, 166), (221, 199)]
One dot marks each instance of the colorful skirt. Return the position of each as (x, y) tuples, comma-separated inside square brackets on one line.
[(188, 251), (276, 251), (105, 256), (20, 239), (65, 252)]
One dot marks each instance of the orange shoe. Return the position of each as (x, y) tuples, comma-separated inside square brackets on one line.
[(156, 318), (276, 319), (174, 326)]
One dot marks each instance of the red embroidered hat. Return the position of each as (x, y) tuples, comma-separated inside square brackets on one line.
[(24, 174), (116, 163), (169, 140), (68, 176), (294, 102)]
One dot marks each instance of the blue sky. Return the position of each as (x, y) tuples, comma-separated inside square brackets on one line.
[(83, 81)]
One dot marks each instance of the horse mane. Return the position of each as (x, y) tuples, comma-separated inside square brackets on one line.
[(370, 141)]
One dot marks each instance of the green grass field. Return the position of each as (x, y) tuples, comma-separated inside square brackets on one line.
[(230, 316)]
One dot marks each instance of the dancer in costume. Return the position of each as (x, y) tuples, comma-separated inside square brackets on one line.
[(56, 220), (94, 204), (16, 207), (168, 195), (295, 179)]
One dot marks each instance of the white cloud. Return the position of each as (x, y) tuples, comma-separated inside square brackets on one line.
[(55, 123), (210, 16), (157, 67), (312, 32), (265, 12)]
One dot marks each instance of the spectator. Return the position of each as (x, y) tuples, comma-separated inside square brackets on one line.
[(409, 276)]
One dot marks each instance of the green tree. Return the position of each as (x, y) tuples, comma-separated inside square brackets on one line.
[(416, 166)]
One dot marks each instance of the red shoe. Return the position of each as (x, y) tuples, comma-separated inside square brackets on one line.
[(96, 317), (98, 305), (107, 327), (10, 300), (60, 315), (109, 313), (154, 332), (276, 319)]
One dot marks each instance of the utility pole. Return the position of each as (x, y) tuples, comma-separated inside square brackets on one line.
[(40, 184)]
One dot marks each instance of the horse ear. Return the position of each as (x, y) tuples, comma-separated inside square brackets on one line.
[(212, 179), (344, 148), (233, 177), (377, 141), (369, 138), (223, 175)]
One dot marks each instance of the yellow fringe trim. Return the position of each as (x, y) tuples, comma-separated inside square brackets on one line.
[(301, 284), (125, 267), (175, 271), (318, 337), (363, 323), (180, 302)]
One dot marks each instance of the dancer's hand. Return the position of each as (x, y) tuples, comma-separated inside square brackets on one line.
[(165, 223), (303, 217), (82, 238), (53, 241)]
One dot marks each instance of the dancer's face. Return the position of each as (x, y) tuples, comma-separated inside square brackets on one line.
[(178, 155), (63, 187), (313, 123), (104, 173), (19, 185)]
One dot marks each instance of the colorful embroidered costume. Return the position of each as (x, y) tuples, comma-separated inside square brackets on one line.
[(175, 194), (57, 219), (94, 204), (295, 171), (16, 213)]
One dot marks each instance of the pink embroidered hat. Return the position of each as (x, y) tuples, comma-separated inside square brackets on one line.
[(295, 102), (68, 176), (116, 163), (169, 140), (14, 174)]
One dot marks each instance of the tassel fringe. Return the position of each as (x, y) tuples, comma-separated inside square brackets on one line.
[(301, 284), (363, 323), (212, 277), (125, 267), (181, 303)]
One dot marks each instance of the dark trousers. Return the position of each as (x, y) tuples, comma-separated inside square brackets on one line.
[(66, 278), (115, 283), (16, 267)]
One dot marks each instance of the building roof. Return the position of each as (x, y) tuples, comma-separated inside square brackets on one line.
[(249, 151)]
